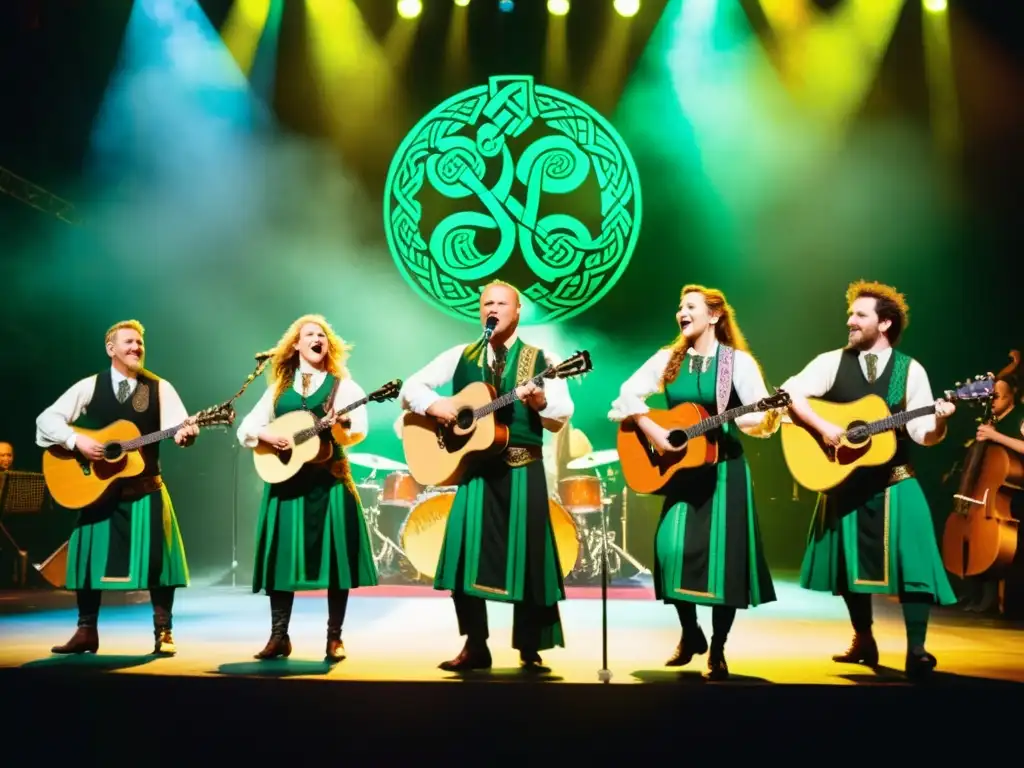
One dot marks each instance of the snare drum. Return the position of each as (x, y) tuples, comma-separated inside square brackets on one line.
[(401, 490), (580, 493), (423, 533)]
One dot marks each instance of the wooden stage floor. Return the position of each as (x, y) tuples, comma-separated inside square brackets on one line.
[(779, 656)]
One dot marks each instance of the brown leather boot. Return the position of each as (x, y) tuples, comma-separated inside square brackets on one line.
[(164, 642), (717, 668), (863, 650), (335, 647), (472, 656), (279, 645), (688, 647), (85, 640)]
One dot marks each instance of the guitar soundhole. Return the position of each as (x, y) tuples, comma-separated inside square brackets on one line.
[(112, 451), (677, 438), (855, 434), (284, 456), (464, 418)]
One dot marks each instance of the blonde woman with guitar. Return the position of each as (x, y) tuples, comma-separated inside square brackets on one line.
[(708, 546), (310, 534), (126, 536), (872, 532)]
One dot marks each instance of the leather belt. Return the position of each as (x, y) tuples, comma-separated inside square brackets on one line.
[(901, 472), (137, 487), (520, 456)]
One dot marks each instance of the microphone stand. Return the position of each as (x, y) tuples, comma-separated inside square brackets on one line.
[(261, 362), (604, 674)]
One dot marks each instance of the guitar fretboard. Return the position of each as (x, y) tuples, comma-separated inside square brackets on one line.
[(152, 437), (712, 422), (310, 432), (501, 402), (895, 421)]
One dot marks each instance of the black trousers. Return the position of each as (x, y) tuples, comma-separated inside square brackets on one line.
[(161, 598)]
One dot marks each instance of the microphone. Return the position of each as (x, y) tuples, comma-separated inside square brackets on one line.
[(491, 322), (261, 356)]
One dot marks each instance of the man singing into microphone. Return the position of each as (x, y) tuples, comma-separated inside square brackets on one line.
[(498, 543)]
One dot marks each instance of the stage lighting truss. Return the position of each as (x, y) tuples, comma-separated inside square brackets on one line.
[(37, 197)]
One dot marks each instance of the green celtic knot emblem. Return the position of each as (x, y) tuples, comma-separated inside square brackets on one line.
[(513, 181)]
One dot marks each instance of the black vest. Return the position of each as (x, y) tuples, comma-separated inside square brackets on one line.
[(851, 384), (142, 409)]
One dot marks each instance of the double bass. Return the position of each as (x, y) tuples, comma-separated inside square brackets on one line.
[(980, 537)]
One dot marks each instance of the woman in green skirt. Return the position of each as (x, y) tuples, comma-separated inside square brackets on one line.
[(707, 546), (311, 533)]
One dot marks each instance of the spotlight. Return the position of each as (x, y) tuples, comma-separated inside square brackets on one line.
[(935, 6), (462, 3), (558, 7), (627, 8), (506, 6), (409, 9)]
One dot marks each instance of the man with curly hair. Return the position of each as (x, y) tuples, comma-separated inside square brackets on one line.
[(129, 539), (873, 534)]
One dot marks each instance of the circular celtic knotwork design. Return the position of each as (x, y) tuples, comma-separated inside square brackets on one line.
[(512, 172)]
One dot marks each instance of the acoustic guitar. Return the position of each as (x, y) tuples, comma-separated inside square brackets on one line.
[(303, 428), (75, 481), (439, 455), (868, 440), (647, 470)]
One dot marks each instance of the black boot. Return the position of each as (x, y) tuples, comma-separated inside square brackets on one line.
[(163, 600), (863, 650), (692, 643), (717, 668), (337, 603), (279, 645)]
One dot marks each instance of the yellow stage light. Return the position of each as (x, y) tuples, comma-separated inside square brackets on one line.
[(558, 7), (627, 7), (409, 9), (462, 3), (935, 6)]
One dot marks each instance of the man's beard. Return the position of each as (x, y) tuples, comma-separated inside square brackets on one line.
[(866, 340)]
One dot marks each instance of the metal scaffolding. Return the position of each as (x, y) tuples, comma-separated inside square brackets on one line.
[(30, 194)]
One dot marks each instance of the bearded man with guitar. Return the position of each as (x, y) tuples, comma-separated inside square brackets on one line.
[(311, 533), (128, 538), (708, 546), (873, 533), (498, 541)]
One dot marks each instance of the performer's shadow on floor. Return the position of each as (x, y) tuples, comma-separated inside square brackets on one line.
[(91, 662), (506, 675), (693, 677), (275, 668)]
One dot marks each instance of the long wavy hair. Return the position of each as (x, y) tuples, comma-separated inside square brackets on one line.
[(727, 330), (285, 361)]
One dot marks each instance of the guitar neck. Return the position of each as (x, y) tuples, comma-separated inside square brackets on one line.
[(713, 422), (897, 420), (152, 437), (310, 432), (506, 399)]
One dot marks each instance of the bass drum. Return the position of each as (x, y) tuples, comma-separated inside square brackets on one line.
[(423, 533)]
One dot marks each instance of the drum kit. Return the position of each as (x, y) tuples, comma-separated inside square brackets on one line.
[(406, 520)]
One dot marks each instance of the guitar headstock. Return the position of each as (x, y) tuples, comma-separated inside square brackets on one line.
[(982, 388), (780, 399), (576, 364), (222, 415), (388, 392)]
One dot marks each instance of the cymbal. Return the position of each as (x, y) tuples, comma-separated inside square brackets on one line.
[(373, 461), (594, 459)]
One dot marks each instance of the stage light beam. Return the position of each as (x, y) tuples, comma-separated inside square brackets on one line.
[(558, 7), (627, 8), (934, 6), (461, 3), (409, 9)]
